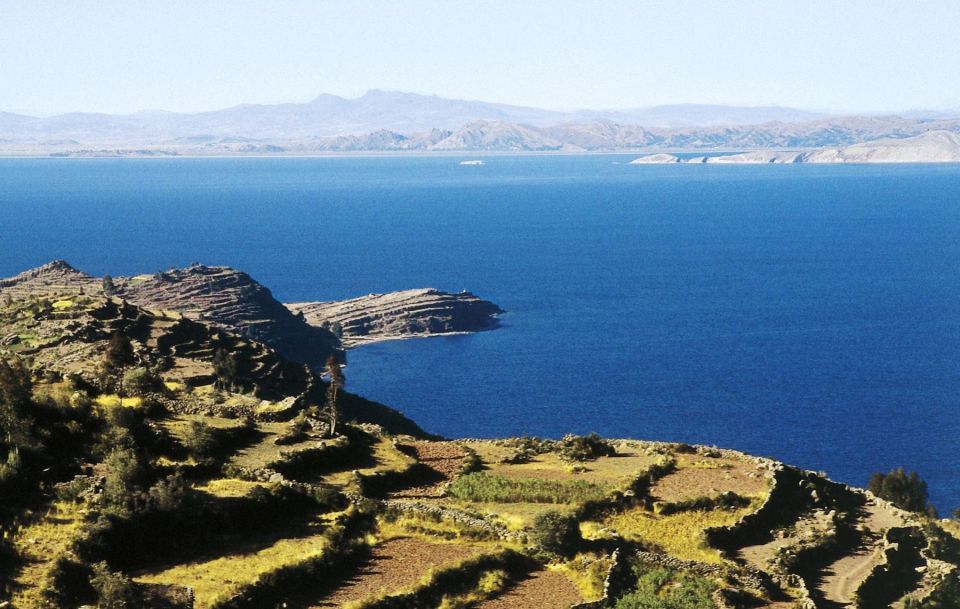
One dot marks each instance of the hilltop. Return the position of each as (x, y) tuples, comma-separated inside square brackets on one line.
[(213, 477)]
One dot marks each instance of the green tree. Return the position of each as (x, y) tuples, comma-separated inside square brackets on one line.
[(337, 380), (140, 381), (226, 367), (201, 441), (556, 533), (908, 492), (16, 395), (116, 358), (109, 288), (123, 476)]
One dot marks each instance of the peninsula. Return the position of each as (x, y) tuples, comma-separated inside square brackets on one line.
[(162, 451)]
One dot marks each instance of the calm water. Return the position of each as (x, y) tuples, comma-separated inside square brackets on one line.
[(809, 313)]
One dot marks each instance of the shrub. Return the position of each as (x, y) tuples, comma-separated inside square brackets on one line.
[(662, 588), (114, 590), (201, 441), (140, 382), (471, 461), (124, 474), (555, 533), (584, 448), (169, 494), (908, 492), (67, 582), (946, 596)]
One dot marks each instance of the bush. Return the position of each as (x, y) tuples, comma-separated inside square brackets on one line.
[(584, 448), (908, 492), (556, 533), (169, 494), (114, 590), (201, 441), (662, 588), (140, 382), (66, 583), (946, 596), (123, 477)]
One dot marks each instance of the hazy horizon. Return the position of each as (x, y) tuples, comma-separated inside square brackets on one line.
[(121, 58), (479, 100)]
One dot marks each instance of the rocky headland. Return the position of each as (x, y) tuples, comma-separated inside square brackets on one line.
[(233, 301), (403, 314)]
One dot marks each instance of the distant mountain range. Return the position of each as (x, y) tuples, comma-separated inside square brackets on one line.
[(396, 121)]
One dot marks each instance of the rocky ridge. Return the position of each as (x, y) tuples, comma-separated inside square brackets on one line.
[(403, 314), (233, 301)]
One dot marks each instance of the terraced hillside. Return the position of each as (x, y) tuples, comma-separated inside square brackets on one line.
[(231, 300), (201, 484)]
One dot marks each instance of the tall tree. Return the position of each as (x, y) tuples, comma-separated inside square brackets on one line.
[(335, 372), (16, 393), (118, 356), (226, 367), (109, 288)]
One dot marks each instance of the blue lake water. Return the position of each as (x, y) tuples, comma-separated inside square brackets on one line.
[(811, 313)]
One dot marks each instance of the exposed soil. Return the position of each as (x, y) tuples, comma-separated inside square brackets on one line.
[(710, 477), (393, 566), (542, 590), (438, 464), (839, 581), (760, 555)]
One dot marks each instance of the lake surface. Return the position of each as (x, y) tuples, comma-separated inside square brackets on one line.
[(810, 313)]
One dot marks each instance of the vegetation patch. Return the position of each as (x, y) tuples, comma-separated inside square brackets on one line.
[(232, 580), (680, 534), (662, 588), (490, 488)]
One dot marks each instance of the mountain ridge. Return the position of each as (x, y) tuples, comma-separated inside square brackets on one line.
[(390, 121)]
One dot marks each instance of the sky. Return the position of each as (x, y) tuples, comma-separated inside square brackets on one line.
[(121, 56)]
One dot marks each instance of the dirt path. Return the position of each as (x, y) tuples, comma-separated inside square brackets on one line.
[(393, 566), (759, 556), (841, 579), (542, 590)]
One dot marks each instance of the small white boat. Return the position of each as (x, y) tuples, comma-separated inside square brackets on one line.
[(476, 162)]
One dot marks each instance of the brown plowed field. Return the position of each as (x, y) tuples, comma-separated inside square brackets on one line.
[(439, 462), (542, 590), (394, 566)]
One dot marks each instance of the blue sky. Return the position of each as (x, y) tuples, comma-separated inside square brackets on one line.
[(123, 56)]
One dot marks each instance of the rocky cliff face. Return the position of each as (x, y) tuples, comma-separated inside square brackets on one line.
[(222, 297), (405, 314), (231, 300)]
